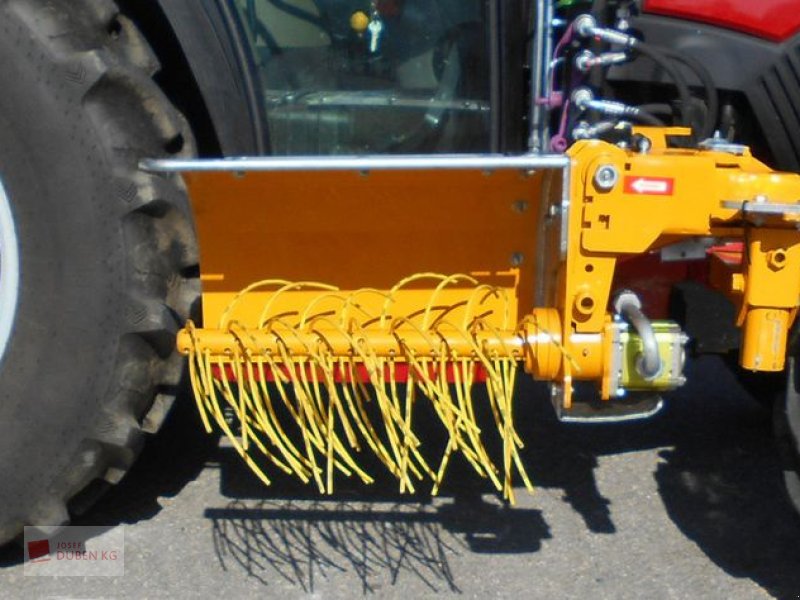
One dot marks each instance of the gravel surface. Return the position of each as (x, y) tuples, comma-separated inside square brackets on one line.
[(686, 505)]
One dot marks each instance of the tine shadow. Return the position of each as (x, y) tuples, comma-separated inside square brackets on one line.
[(718, 476), (301, 541)]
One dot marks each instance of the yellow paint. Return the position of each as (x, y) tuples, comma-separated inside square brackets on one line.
[(359, 21)]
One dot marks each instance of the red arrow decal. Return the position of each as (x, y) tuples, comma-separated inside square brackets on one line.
[(650, 186)]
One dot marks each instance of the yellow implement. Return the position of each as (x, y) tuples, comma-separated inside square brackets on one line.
[(340, 293)]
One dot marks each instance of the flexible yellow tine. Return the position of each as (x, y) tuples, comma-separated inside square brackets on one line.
[(469, 339), (512, 367), (281, 376), (259, 444), (469, 311), (216, 385), (508, 394), (442, 312), (407, 426), (393, 421), (351, 302), (262, 319), (426, 324), (222, 423), (463, 395), (312, 437), (330, 440), (291, 466), (306, 426), (437, 482), (375, 371), (468, 376), (328, 426), (332, 417), (317, 397), (199, 394), (208, 383), (350, 434), (411, 394), (333, 443), (441, 407), (357, 408), (400, 285), (459, 424), (301, 394), (315, 470), (339, 447), (242, 397), (410, 442), (256, 408), (224, 319), (304, 315), (495, 399), (310, 405), (296, 453), (365, 420), (268, 421), (195, 380)]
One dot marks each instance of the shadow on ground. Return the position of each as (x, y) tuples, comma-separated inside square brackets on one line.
[(302, 541), (718, 477)]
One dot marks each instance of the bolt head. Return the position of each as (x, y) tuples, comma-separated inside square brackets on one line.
[(606, 178)]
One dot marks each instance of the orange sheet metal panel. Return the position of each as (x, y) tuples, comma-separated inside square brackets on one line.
[(366, 230)]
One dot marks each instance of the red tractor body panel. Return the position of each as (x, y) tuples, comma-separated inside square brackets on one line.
[(774, 20)]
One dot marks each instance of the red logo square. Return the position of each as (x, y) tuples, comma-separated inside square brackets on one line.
[(38, 549)]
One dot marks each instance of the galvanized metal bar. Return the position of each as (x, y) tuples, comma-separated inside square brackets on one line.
[(525, 162)]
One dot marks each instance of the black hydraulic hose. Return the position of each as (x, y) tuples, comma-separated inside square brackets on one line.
[(712, 95), (661, 59), (647, 118), (584, 100), (657, 108)]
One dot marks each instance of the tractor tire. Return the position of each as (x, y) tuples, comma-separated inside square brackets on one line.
[(98, 258), (787, 432)]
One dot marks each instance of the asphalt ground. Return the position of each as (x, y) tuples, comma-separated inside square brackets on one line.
[(686, 505)]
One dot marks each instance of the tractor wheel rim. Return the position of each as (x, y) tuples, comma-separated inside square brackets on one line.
[(9, 270)]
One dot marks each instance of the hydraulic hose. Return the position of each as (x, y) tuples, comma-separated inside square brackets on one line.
[(712, 95), (662, 60), (584, 99), (629, 307), (647, 118), (586, 26), (599, 12)]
